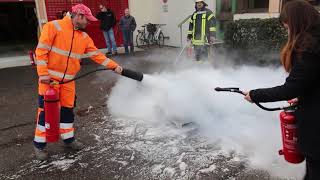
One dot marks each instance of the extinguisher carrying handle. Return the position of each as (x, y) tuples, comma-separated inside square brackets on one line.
[(237, 90)]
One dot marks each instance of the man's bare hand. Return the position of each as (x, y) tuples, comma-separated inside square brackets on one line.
[(118, 70), (44, 79)]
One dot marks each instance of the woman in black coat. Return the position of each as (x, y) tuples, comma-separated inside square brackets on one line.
[(301, 59)]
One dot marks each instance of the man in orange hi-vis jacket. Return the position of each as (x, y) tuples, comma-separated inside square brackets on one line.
[(61, 46)]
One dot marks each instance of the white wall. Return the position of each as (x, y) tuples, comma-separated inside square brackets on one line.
[(146, 11)]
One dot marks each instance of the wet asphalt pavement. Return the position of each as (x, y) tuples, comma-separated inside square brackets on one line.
[(108, 153)]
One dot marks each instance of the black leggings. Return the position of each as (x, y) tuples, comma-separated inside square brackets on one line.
[(313, 169)]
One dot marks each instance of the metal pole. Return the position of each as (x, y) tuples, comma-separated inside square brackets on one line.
[(181, 36)]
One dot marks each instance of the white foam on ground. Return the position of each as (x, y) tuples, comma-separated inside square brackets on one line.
[(225, 119)]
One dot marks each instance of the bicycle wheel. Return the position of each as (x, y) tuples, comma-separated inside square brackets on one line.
[(150, 39), (161, 40), (140, 40)]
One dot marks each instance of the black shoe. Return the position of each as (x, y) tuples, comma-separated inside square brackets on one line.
[(41, 154), (75, 145)]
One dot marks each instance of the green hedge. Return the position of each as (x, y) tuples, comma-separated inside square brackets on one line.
[(255, 38)]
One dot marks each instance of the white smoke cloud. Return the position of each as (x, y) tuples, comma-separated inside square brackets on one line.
[(188, 96)]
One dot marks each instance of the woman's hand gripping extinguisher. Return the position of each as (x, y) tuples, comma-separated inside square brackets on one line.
[(288, 128), (52, 113)]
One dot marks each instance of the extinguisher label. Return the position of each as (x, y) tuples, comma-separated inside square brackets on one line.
[(289, 136), (47, 125)]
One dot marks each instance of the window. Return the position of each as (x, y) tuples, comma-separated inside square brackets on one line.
[(253, 6)]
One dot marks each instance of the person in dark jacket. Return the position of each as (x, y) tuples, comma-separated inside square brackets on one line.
[(107, 22), (128, 25), (301, 59)]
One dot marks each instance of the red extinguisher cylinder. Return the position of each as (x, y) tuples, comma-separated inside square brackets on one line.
[(189, 51), (289, 138), (31, 56), (52, 114)]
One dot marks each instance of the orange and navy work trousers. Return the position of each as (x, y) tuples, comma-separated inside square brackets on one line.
[(67, 102)]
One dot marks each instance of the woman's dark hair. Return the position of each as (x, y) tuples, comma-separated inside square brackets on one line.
[(301, 17)]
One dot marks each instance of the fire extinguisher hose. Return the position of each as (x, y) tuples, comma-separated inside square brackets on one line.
[(237, 90), (138, 76)]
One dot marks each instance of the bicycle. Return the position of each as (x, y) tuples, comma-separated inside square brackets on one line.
[(154, 36)]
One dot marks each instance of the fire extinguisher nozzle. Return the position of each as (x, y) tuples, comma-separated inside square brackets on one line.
[(138, 76)]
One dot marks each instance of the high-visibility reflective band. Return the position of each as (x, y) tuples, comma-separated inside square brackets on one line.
[(60, 75), (194, 25), (39, 139), (89, 54), (65, 53), (84, 34), (212, 29), (58, 51), (198, 42), (194, 16), (67, 135), (190, 20), (189, 32), (210, 17), (43, 46), (105, 62), (66, 125), (203, 27), (41, 128), (41, 62), (57, 25)]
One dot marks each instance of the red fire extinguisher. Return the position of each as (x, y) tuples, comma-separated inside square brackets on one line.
[(31, 56), (189, 50), (289, 137), (52, 114), (288, 128)]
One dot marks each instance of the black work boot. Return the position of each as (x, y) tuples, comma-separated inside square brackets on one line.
[(41, 154), (75, 145)]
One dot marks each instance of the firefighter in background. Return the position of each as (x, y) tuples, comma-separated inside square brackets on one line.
[(61, 46), (202, 30)]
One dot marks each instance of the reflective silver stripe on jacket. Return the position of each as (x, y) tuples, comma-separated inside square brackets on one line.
[(41, 62), (105, 62), (65, 53), (43, 46), (84, 34), (57, 25), (60, 75), (89, 54), (59, 51)]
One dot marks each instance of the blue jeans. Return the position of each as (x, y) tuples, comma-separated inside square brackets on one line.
[(128, 40), (109, 36)]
